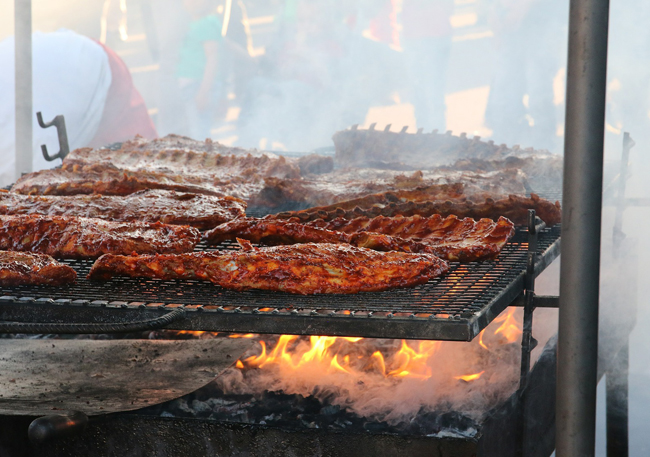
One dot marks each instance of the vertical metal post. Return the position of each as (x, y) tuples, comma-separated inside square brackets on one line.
[(617, 377), (581, 228), (528, 343), (23, 73), (628, 143), (617, 412)]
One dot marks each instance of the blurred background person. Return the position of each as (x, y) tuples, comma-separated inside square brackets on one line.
[(628, 73), (530, 48), (370, 70), (294, 90), (198, 67), (113, 23), (426, 40), (80, 79)]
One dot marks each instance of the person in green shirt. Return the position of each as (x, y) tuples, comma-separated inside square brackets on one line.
[(197, 67)]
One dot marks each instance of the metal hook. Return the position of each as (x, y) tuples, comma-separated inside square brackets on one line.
[(59, 123)]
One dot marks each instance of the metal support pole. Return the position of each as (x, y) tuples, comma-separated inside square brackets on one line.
[(581, 228), (23, 73)]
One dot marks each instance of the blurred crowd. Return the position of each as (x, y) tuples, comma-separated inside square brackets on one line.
[(295, 71), (327, 62)]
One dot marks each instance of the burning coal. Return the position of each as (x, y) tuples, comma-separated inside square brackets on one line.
[(387, 380)]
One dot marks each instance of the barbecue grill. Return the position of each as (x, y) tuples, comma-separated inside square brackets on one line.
[(432, 317), (456, 306)]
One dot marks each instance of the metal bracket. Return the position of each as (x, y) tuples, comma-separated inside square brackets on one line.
[(539, 301), (64, 147)]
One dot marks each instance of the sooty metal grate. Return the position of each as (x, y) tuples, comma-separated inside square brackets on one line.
[(456, 306)]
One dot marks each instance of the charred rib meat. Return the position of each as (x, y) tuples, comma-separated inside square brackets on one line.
[(301, 269), (436, 192), (445, 153), (363, 187), (105, 179), (272, 232), (210, 166), (451, 238), (26, 268), (173, 141), (169, 207), (358, 147), (82, 238), (513, 207)]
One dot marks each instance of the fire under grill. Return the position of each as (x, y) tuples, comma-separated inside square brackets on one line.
[(456, 306), (251, 429)]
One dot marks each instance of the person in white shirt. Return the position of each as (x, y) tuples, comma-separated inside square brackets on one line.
[(71, 76)]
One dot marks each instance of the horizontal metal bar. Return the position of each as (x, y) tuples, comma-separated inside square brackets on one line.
[(244, 322), (539, 301), (92, 328), (637, 202)]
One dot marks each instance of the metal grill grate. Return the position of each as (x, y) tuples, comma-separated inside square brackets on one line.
[(456, 306)]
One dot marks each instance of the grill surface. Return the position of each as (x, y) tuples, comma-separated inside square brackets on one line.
[(456, 306)]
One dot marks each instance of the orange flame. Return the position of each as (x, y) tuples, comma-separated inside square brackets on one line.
[(470, 377), (350, 356), (329, 352), (196, 333), (510, 329), (480, 340)]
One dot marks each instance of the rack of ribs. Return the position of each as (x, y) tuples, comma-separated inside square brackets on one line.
[(174, 141), (312, 268), (169, 207), (107, 179), (364, 187), (450, 238), (27, 268), (247, 165), (71, 237), (513, 207), (274, 232)]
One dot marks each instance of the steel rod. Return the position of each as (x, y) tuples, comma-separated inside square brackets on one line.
[(581, 228), (23, 85)]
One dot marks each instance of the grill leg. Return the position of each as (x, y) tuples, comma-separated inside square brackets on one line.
[(617, 405), (528, 343)]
